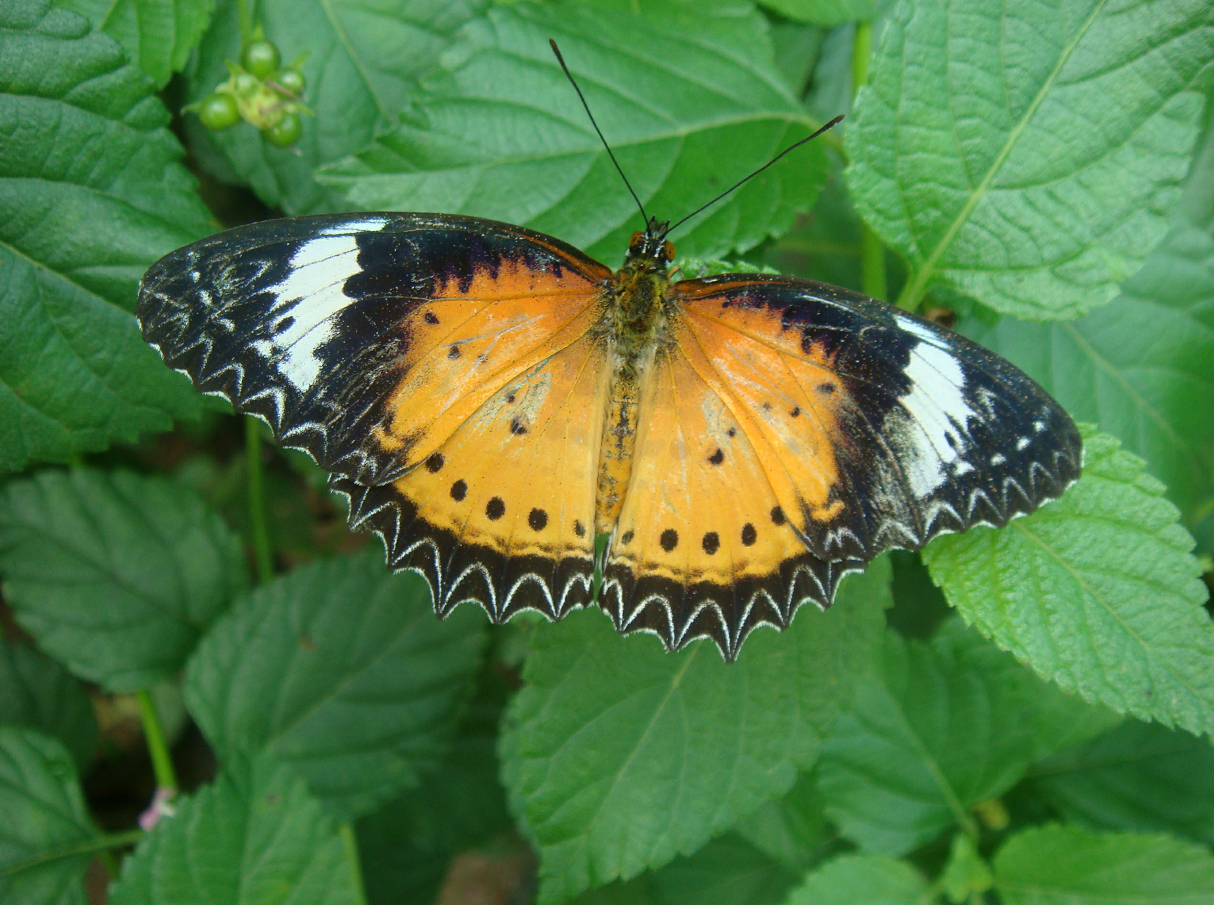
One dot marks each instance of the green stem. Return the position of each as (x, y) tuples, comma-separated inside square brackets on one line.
[(351, 844), (244, 10), (872, 264), (101, 843), (872, 251), (257, 500), (162, 764), (861, 55)]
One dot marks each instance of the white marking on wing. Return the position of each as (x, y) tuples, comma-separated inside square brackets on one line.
[(318, 271), (362, 224), (935, 403), (918, 329)]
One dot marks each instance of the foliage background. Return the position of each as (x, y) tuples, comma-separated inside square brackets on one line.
[(1043, 171)]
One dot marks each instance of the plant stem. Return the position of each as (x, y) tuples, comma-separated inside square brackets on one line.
[(351, 844), (872, 251), (872, 264), (162, 764), (861, 56), (244, 11), (257, 501)]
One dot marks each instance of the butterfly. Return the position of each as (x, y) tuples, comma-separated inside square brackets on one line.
[(490, 399)]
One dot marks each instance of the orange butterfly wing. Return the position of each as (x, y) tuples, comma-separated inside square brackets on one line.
[(442, 367), (790, 432)]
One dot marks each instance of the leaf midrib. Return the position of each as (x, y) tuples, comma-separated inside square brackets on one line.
[(915, 287), (343, 38)]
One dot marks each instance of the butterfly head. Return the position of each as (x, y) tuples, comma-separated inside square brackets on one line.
[(650, 249)]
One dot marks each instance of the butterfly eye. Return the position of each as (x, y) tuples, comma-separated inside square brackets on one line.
[(668, 250), (634, 244)]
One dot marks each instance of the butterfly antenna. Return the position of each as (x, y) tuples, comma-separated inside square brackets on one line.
[(560, 59), (830, 125)]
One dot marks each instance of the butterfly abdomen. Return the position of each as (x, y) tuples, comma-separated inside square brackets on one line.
[(637, 316)]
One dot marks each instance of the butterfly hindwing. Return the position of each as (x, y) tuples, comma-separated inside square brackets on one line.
[(823, 427), (703, 547), (437, 365)]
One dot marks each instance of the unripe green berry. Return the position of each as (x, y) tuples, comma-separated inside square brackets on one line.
[(260, 58), (285, 132), (291, 80), (218, 110)]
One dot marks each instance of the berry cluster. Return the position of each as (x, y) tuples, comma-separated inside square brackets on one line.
[(259, 91)]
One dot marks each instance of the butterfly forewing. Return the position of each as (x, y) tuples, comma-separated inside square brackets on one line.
[(439, 366)]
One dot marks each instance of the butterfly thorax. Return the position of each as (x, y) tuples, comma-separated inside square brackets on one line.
[(637, 314)]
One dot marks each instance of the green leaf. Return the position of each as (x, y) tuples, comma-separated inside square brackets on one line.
[(791, 829), (362, 65), (1139, 777), (38, 693), (935, 730), (156, 35), (1062, 865), (688, 97), (1097, 591), (620, 756), (862, 880), (825, 244), (1197, 202), (822, 12), (726, 871), (116, 574), (1027, 154), (45, 822), (255, 837), (92, 191), (406, 847), (796, 47), (965, 876), (1142, 367), (343, 671)]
